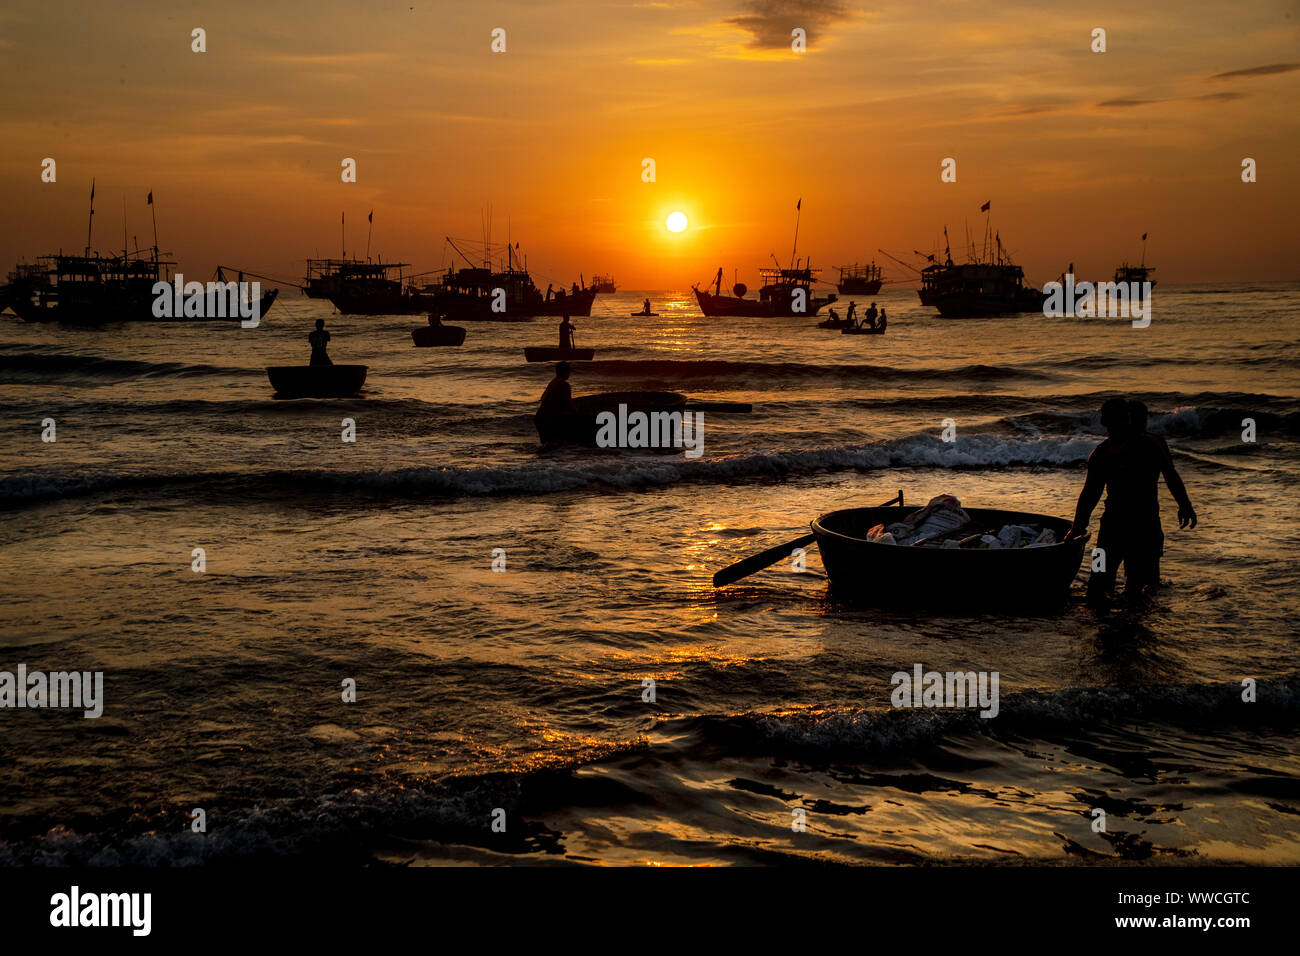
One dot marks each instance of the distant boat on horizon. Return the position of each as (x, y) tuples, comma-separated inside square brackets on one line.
[(603, 284), (859, 280)]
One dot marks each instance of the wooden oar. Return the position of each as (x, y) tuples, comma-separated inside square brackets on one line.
[(764, 559)]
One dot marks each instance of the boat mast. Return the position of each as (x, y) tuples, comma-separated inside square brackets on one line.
[(343, 228), (798, 212), (91, 223)]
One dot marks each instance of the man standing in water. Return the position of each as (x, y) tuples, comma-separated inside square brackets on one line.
[(566, 334), (319, 340), (1127, 466)]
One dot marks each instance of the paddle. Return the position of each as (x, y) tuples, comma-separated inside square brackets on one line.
[(757, 562)]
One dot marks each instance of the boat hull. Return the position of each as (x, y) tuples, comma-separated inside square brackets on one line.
[(970, 305), (862, 572), (379, 304), (552, 353), (316, 381), (580, 429), (88, 312), (428, 336), (862, 331), (715, 306), (858, 287), (478, 308)]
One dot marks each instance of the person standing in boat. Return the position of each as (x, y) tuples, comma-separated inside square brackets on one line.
[(883, 321), (645, 307), (871, 316), (319, 340), (1127, 466), (848, 316), (557, 400), (566, 334), (549, 287)]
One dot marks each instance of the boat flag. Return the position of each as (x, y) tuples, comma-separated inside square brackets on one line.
[(799, 205), (371, 217), (985, 207), (149, 201), (1144, 237)]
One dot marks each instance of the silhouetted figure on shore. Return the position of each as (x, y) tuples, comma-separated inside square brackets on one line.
[(319, 341), (566, 333), (1127, 466)]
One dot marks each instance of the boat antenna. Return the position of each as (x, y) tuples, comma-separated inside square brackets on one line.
[(154, 211), (947, 247), (369, 230), (343, 227), (1142, 265), (798, 212), (91, 224), (125, 245)]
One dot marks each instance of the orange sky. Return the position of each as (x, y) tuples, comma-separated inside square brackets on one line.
[(1079, 152)]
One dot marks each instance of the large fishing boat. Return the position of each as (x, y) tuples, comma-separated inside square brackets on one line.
[(604, 285), (364, 288), (92, 289), (859, 280), (785, 292), (980, 287), (484, 293)]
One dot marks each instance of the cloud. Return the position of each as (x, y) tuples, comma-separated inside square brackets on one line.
[(1126, 103), (1257, 71), (770, 22)]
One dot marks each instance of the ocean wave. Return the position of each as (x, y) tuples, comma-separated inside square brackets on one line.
[(551, 475), (343, 826), (41, 367), (714, 369)]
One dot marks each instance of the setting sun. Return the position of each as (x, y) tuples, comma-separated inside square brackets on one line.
[(676, 222)]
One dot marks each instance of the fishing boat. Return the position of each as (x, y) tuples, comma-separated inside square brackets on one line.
[(365, 288), (981, 287), (553, 353), (1139, 273), (580, 428), (863, 330), (427, 336), (859, 280), (316, 381), (786, 292), (604, 285), (923, 579), (501, 293), (836, 322)]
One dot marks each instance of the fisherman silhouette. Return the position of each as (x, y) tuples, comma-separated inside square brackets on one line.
[(1127, 466), (871, 315), (645, 307), (1137, 411), (548, 292), (558, 397), (883, 321), (566, 334), (319, 340)]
